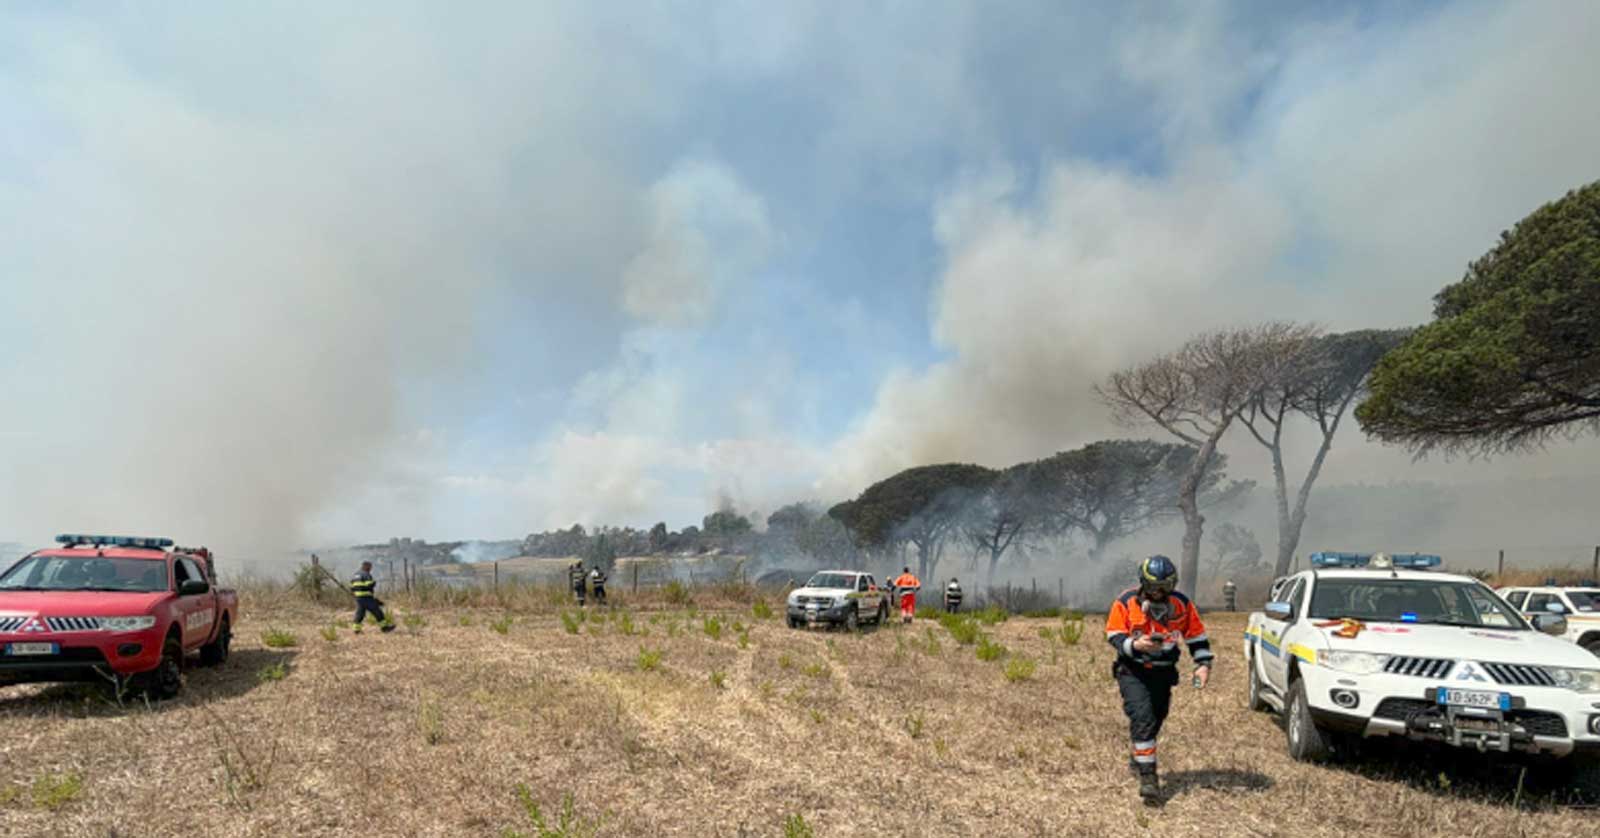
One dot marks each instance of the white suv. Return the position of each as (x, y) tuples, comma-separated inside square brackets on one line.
[(1581, 607), (838, 597), (1359, 647)]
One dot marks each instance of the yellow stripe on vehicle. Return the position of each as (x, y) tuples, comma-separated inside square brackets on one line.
[(1305, 653)]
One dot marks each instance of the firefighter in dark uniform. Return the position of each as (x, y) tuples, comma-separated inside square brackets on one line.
[(365, 589), (576, 579), (952, 596), (597, 580), (1146, 626)]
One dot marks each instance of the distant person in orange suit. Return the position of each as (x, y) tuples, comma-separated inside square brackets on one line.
[(906, 585)]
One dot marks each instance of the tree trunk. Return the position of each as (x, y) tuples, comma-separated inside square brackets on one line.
[(1290, 523), (1193, 521)]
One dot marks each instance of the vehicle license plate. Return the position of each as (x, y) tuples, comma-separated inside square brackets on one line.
[(1475, 698), (31, 649)]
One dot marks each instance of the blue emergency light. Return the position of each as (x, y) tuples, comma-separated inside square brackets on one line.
[(1406, 561), (114, 541)]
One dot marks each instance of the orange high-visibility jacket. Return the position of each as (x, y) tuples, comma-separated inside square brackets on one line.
[(1128, 620), (907, 582)]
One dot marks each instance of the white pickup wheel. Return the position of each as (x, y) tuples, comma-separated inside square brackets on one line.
[(1307, 742), (1253, 700)]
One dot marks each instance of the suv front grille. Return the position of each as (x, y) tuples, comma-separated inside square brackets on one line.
[(1419, 667), (11, 623), (815, 600), (1519, 675), (72, 623)]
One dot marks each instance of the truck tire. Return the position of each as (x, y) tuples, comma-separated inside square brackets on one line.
[(216, 652), (793, 623), (1253, 700), (166, 680), (852, 618), (883, 613), (1307, 742)]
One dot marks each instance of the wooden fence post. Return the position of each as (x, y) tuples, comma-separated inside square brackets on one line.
[(497, 576), (635, 577), (1061, 593), (405, 570), (316, 575), (1500, 569), (1594, 571)]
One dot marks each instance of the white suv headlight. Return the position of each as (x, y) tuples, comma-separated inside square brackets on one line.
[(1579, 680), (126, 623), (1355, 663)]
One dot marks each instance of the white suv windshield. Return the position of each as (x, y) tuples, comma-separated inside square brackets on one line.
[(832, 580), (1411, 601)]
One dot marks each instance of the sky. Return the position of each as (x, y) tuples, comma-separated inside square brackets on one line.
[(307, 273)]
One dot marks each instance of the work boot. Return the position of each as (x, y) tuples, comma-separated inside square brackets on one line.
[(1149, 787), (387, 627)]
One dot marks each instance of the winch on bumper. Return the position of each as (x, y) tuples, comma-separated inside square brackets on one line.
[(1542, 720)]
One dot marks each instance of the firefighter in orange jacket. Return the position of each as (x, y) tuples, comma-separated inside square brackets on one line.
[(906, 585), (1146, 626)]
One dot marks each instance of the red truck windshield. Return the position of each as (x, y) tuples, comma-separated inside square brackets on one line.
[(86, 573)]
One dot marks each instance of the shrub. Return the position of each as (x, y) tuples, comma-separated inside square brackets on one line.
[(1020, 669), (676, 593), (963, 629), (988, 650), (649, 660), (795, 826), (1072, 631), (761, 610), (567, 822), (279, 639), (52, 791), (273, 672), (430, 721), (992, 615)]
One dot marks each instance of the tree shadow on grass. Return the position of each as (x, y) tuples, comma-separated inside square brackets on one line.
[(240, 674)]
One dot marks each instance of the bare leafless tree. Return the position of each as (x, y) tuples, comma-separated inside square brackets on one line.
[(1319, 383), (1195, 393)]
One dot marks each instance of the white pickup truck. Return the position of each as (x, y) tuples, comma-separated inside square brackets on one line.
[(1363, 646)]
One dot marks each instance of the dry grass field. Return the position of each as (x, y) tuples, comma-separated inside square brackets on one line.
[(701, 719)]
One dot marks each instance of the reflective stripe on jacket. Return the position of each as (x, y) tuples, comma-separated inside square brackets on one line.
[(362, 584)]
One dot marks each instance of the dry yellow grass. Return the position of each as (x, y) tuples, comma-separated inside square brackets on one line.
[(430, 730)]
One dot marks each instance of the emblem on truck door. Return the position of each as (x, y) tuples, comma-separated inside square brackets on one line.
[(1468, 672)]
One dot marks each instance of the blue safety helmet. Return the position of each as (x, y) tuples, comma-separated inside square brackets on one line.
[(1158, 576)]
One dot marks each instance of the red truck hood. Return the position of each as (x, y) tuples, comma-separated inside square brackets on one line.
[(79, 603)]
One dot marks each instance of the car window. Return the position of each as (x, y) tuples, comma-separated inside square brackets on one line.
[(1540, 603), (861, 583), (1585, 601), (1517, 598), (180, 574), (872, 581)]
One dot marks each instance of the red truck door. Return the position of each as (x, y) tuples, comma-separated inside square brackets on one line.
[(196, 612)]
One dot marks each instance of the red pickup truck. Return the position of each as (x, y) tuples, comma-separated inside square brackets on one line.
[(122, 610)]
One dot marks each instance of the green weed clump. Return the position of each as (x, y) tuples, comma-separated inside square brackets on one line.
[(816, 669), (569, 622), (279, 639), (1020, 669), (1072, 631), (567, 824), (503, 625), (712, 627), (649, 660), (989, 650), (719, 679), (676, 593), (992, 615), (414, 622), (430, 721), (273, 672), (795, 826), (761, 610), (964, 630), (330, 633), (53, 791), (1043, 613), (464, 621)]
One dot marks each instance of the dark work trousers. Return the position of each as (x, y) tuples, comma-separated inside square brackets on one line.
[(951, 606), (599, 594), (1146, 698), (580, 592), (368, 605)]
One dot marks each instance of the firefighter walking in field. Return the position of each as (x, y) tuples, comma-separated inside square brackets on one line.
[(952, 596), (576, 579), (365, 589), (597, 581), (906, 586), (1146, 625)]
